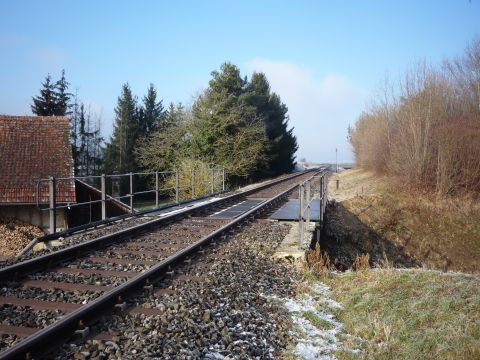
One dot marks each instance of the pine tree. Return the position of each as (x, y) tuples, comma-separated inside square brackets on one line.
[(62, 97), (120, 150), (151, 114), (74, 119), (83, 140), (239, 125), (281, 143), (89, 149), (46, 103), (227, 131), (96, 147), (174, 115), (54, 98)]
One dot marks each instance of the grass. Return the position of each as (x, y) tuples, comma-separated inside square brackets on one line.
[(316, 321), (442, 234), (403, 313), (408, 314)]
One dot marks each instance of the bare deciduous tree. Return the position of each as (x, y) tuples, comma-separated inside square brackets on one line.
[(429, 133)]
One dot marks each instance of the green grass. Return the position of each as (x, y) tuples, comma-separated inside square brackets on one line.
[(409, 314), (316, 321)]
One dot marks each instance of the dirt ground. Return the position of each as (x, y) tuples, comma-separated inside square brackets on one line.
[(397, 227)]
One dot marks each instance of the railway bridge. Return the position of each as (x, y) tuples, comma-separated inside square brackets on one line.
[(160, 280)]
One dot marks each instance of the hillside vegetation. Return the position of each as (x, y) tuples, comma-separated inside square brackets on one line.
[(397, 301), (408, 314), (236, 123), (393, 223), (425, 129)]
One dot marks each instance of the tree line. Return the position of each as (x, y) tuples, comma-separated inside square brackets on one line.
[(85, 127), (425, 129), (235, 123)]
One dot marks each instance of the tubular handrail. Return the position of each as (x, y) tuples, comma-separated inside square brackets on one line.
[(48, 188)]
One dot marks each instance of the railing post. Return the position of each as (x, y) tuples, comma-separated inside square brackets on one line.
[(53, 204), (104, 197), (301, 214), (308, 203), (321, 201), (193, 183), (131, 192), (213, 181), (223, 179), (156, 189), (177, 183), (324, 191)]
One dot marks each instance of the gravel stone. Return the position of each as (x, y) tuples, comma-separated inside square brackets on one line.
[(227, 311)]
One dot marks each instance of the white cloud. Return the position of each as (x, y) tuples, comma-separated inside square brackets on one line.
[(320, 109)]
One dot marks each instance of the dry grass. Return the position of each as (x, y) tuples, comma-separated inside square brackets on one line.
[(441, 234), (409, 314), (353, 183), (361, 263), (318, 262), (393, 313)]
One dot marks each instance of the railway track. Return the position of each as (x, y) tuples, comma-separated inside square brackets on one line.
[(47, 300)]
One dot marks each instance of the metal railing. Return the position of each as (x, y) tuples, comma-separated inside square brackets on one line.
[(121, 190), (309, 191)]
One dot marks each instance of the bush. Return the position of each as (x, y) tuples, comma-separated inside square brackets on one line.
[(202, 179), (428, 134)]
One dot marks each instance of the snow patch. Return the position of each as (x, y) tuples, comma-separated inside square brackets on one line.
[(312, 342)]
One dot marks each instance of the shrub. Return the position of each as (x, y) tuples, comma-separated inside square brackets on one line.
[(428, 133)]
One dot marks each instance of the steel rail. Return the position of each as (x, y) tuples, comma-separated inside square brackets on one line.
[(18, 270), (98, 223), (63, 329), (95, 224)]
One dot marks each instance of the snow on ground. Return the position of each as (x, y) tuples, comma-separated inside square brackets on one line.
[(316, 331)]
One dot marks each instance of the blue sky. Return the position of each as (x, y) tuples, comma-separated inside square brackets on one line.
[(326, 59)]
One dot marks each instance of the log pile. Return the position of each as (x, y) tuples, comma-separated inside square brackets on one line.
[(15, 235)]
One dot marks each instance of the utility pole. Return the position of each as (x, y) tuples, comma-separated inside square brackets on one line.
[(336, 160)]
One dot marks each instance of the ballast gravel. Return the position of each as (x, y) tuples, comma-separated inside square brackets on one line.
[(93, 279), (223, 309), (76, 239), (85, 264), (24, 316), (75, 297)]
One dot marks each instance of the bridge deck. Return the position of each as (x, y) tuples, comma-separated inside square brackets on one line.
[(290, 211)]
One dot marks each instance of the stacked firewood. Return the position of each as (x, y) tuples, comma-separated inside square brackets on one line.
[(15, 235)]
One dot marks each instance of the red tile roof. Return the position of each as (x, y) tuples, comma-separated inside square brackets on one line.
[(32, 148)]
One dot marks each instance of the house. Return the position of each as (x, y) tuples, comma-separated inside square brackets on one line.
[(33, 148)]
